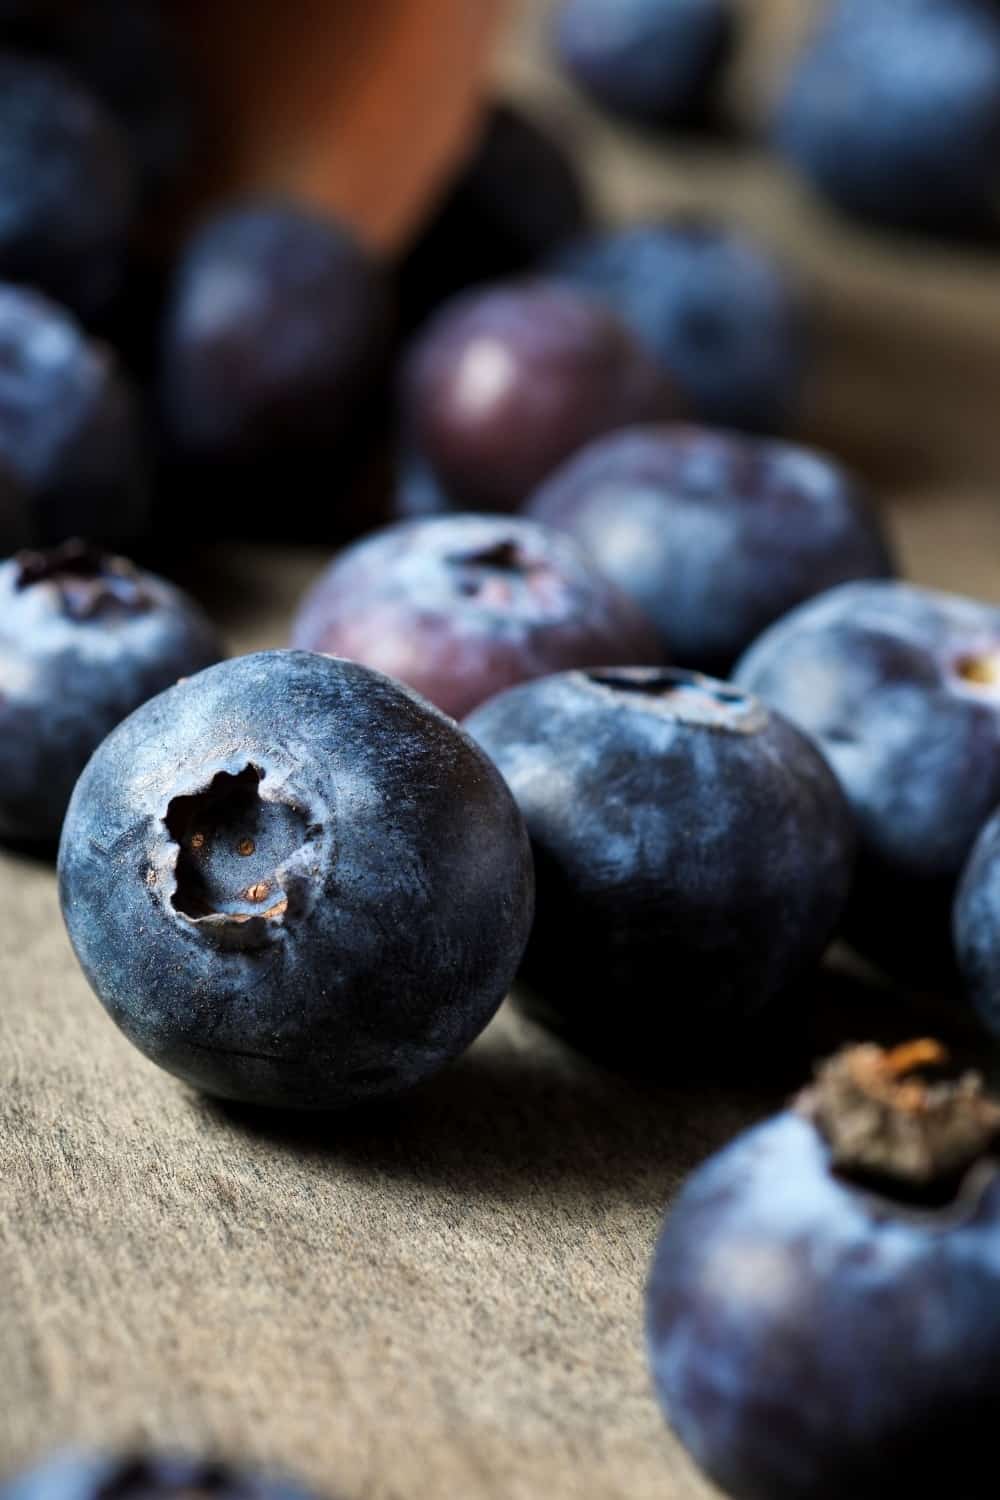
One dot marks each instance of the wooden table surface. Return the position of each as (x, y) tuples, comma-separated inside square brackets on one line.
[(446, 1302)]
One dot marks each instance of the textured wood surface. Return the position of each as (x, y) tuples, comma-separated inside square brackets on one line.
[(445, 1301)]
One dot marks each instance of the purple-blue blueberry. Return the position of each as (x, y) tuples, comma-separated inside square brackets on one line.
[(893, 112), (292, 882), (94, 1475), (505, 383), (462, 607), (693, 853), (653, 61), (900, 687), (67, 189), (823, 1311), (977, 925), (726, 320), (69, 431), (714, 536), (85, 638), (276, 328)]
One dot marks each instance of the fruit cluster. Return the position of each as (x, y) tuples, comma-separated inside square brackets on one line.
[(706, 731)]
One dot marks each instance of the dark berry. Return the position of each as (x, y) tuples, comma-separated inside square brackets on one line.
[(69, 430), (655, 61), (462, 607), (977, 925), (81, 1475), (824, 1303), (517, 199), (292, 882), (692, 850), (84, 639), (66, 186), (714, 536), (900, 687), (506, 383), (275, 330), (893, 112), (122, 50), (726, 320)]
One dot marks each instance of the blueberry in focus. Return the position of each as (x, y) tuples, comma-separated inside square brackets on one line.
[(275, 330), (692, 852), (653, 61), (900, 687), (822, 1311), (69, 430), (67, 187), (505, 383), (893, 112), (85, 638), (93, 1475), (977, 925), (121, 50), (292, 882), (517, 199), (714, 536), (726, 319), (462, 607)]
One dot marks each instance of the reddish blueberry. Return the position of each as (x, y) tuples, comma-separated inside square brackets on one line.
[(461, 607), (506, 383)]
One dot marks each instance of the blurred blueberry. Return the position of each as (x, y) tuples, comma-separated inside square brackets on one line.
[(83, 1475)]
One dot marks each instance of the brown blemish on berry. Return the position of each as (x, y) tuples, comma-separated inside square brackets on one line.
[(197, 840), (981, 670), (246, 847), (259, 892)]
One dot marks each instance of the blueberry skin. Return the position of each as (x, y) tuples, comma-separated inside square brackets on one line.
[(462, 607), (276, 327), (726, 319), (518, 198), (507, 382), (883, 676), (894, 112), (67, 186), (810, 1341), (292, 882), (977, 925), (692, 852), (84, 639), (69, 431), (685, 521), (86, 1475), (652, 61)]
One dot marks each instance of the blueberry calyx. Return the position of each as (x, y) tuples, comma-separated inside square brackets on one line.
[(86, 580), (501, 575), (882, 1124), (979, 671), (689, 697), (237, 858)]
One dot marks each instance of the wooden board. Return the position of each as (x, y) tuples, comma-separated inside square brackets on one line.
[(448, 1302)]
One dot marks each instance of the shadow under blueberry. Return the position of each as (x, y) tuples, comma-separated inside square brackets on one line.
[(524, 1110)]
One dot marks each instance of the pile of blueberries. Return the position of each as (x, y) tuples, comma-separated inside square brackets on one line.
[(705, 730)]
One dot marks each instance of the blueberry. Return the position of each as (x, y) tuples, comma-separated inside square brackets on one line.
[(84, 639), (69, 430), (276, 327), (122, 50), (461, 607), (692, 851), (292, 882), (724, 317), (66, 186), (517, 199), (506, 383), (900, 686), (686, 521), (654, 61), (893, 112), (824, 1303), (82, 1475), (977, 925)]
